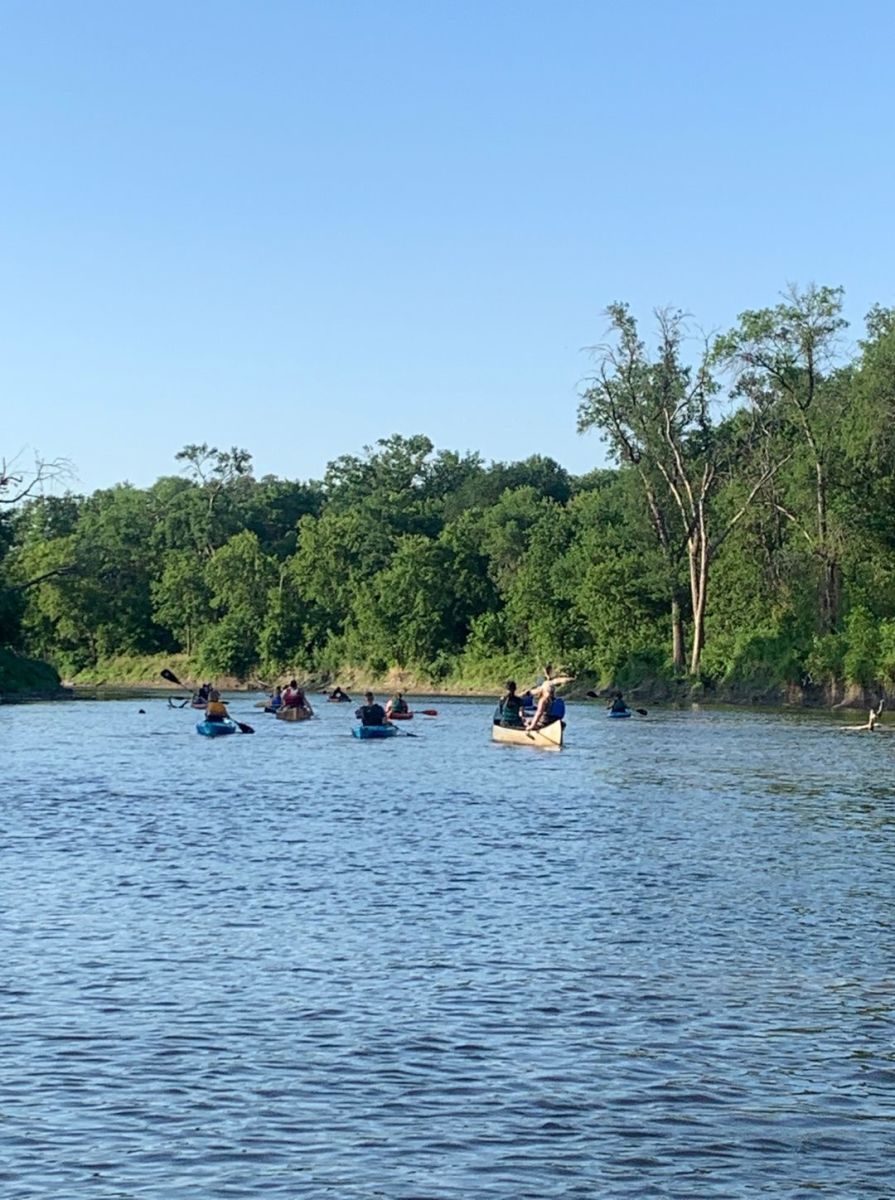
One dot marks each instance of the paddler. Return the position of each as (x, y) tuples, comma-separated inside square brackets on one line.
[(370, 713), (397, 704), (216, 709), (509, 708)]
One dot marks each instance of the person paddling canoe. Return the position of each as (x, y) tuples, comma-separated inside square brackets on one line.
[(550, 707), (509, 708)]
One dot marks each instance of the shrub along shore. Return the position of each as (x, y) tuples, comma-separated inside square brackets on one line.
[(740, 552)]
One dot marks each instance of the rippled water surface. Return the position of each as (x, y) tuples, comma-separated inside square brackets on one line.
[(658, 963)]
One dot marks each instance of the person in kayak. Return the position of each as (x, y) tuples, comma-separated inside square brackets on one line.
[(618, 704), (276, 698), (216, 709), (509, 708), (338, 694), (371, 713), (397, 704)]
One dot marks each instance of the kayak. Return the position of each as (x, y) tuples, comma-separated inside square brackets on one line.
[(374, 731), (548, 737), (625, 713), (198, 704), (408, 716), (338, 699), (294, 714), (215, 728)]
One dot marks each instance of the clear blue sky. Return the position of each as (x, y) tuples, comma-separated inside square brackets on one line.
[(297, 227)]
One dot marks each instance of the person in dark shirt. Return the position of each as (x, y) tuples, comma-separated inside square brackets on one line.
[(370, 713), (509, 707)]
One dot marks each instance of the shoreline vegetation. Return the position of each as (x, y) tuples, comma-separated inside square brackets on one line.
[(142, 676), (737, 552)]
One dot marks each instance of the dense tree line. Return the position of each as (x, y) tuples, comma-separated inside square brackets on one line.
[(743, 535)]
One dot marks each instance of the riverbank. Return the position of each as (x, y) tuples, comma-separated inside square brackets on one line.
[(130, 675), (28, 679)]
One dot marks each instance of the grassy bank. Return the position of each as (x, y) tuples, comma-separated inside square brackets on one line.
[(468, 679), (26, 676)]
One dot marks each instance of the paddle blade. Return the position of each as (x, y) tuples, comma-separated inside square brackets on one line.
[(171, 677), (243, 728), (428, 712), (642, 712)]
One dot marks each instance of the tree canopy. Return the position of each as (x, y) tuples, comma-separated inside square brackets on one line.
[(743, 533)]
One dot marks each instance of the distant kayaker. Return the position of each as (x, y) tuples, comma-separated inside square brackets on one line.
[(618, 704), (338, 694), (509, 708), (370, 713), (276, 698), (216, 709), (203, 693), (397, 704)]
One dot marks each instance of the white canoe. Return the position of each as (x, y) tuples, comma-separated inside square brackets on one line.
[(549, 737)]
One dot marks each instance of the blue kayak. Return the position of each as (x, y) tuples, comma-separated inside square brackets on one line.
[(625, 713), (374, 731), (215, 728)]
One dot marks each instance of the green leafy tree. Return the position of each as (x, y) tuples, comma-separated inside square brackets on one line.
[(239, 578), (781, 359)]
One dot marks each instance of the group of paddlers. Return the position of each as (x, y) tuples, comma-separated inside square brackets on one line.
[(369, 713), (538, 706), (290, 696)]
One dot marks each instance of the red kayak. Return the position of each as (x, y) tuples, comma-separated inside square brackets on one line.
[(408, 716)]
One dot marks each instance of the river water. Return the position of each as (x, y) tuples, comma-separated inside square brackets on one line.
[(657, 964)]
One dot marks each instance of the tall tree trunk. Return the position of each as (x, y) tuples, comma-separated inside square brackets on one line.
[(677, 637), (699, 612)]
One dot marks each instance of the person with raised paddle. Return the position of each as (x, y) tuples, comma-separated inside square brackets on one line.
[(240, 725), (543, 714), (872, 720), (550, 707)]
